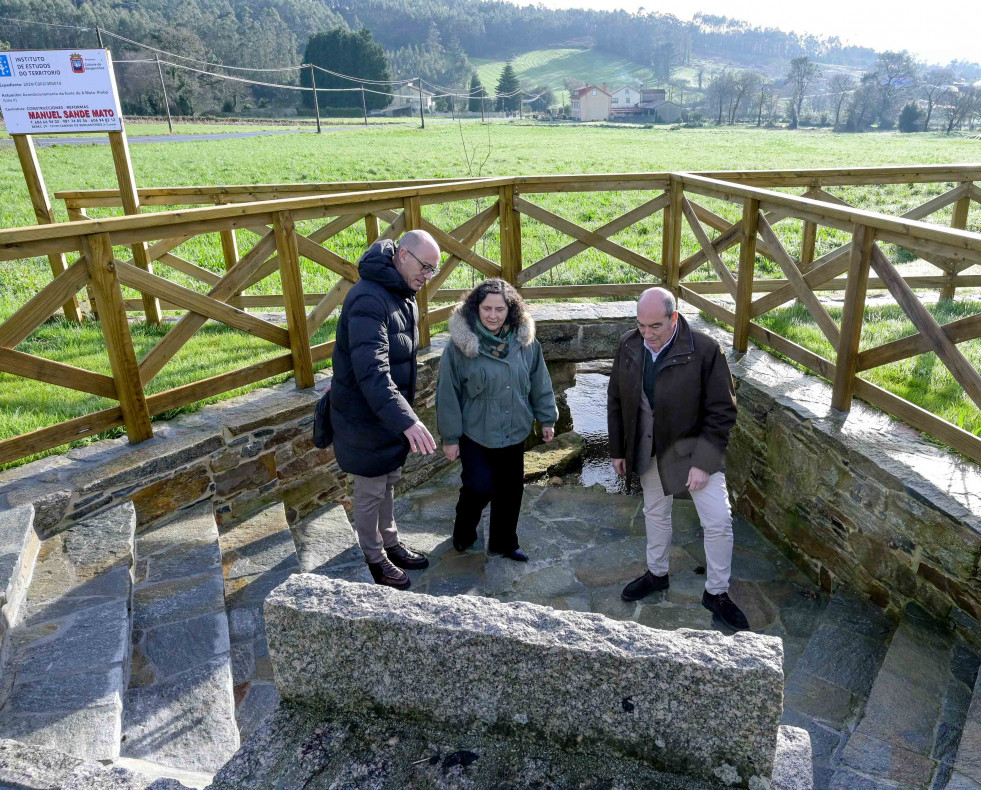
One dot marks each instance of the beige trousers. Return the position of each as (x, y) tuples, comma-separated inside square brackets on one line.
[(374, 514), (712, 504)]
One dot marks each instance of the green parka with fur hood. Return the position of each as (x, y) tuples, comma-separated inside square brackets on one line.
[(493, 400)]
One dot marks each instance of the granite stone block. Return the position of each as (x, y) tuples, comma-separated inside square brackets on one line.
[(686, 701)]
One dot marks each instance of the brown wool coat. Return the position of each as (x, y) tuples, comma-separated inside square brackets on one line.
[(694, 405)]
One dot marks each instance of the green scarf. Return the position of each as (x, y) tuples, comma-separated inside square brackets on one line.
[(496, 345)]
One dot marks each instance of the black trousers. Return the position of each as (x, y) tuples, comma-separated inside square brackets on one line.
[(494, 475)]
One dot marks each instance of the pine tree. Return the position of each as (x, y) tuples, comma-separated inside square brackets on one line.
[(355, 54), (476, 92), (507, 85)]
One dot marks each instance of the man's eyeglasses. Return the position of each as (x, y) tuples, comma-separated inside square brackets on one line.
[(426, 267)]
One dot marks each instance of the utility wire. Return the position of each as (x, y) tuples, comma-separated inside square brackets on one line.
[(361, 81)]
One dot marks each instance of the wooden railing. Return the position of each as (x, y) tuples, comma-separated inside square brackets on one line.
[(681, 203)]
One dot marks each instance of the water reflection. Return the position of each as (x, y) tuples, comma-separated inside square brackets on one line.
[(587, 401)]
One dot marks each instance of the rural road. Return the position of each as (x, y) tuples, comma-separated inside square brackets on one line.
[(99, 139)]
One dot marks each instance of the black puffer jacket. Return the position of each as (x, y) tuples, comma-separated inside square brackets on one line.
[(374, 362)]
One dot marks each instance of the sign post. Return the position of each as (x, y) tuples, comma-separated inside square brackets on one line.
[(64, 92)]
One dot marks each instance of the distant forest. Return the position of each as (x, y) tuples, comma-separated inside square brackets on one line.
[(431, 39)]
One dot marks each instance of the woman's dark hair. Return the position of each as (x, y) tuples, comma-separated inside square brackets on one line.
[(495, 285)]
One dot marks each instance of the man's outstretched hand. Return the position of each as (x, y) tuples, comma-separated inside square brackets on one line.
[(420, 439)]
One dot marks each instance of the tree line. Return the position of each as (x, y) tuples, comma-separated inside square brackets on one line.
[(852, 89), (896, 92)]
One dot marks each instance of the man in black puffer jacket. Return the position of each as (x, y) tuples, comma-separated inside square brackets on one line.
[(372, 391)]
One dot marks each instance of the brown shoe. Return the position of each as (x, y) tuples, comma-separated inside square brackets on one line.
[(386, 573), (404, 557)]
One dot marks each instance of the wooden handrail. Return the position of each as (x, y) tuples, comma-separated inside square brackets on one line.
[(399, 203), (157, 196)]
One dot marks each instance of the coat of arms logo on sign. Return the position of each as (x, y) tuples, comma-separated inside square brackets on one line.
[(5, 66), (78, 65)]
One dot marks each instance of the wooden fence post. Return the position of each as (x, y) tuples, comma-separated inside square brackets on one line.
[(510, 220), (412, 211), (371, 229), (115, 331), (807, 244), (671, 237), (747, 265), (24, 144), (296, 315), (76, 214), (131, 205), (959, 221), (852, 316)]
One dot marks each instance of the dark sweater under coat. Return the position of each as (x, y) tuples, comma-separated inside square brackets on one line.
[(374, 364)]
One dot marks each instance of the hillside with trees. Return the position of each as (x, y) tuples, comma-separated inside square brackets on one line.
[(722, 70)]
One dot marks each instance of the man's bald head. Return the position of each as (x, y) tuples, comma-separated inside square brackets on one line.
[(658, 299), (417, 250), (657, 316), (421, 242)]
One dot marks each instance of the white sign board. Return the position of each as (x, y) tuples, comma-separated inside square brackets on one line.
[(60, 90)]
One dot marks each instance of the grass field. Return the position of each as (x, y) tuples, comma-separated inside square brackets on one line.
[(403, 152)]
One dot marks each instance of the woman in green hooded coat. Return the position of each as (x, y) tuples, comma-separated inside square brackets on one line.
[(493, 384)]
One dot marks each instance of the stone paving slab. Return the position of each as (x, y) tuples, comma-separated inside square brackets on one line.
[(258, 553), (19, 547), (912, 724), (24, 767), (299, 748), (186, 721), (67, 655), (179, 709), (326, 544), (967, 765)]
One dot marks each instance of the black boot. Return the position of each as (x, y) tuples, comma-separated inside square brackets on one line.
[(643, 586), (404, 557), (722, 606), (386, 573)]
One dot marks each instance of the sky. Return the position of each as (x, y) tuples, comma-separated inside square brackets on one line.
[(952, 32)]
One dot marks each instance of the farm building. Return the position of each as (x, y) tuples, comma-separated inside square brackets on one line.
[(591, 103)]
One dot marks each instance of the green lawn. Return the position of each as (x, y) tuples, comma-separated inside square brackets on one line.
[(923, 379), (405, 152)]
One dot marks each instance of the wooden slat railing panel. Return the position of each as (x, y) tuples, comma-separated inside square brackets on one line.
[(44, 304)]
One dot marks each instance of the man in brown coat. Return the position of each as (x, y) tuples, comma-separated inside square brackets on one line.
[(670, 408)]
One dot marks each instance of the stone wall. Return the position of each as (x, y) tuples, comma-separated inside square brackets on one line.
[(690, 702), (243, 453), (858, 499), (861, 500)]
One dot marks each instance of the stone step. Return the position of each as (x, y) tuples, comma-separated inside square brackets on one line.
[(19, 546), (910, 731), (326, 545), (69, 648), (830, 684), (24, 767), (966, 774), (257, 554), (179, 710)]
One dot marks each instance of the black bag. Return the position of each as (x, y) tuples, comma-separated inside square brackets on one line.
[(323, 431)]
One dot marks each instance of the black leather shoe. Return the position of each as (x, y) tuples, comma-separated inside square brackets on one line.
[(460, 546), (404, 557), (722, 606), (386, 573), (517, 555), (643, 586)]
